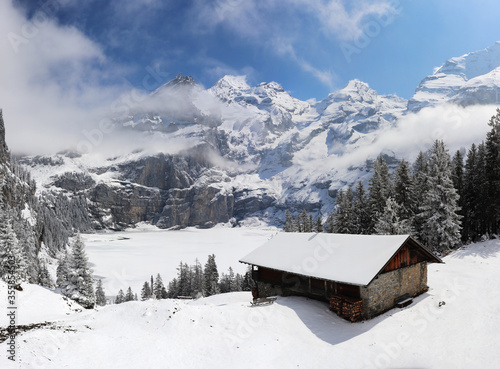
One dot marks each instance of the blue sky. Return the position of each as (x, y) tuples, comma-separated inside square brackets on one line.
[(310, 47)]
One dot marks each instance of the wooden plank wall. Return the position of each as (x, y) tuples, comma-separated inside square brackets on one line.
[(270, 275), (407, 255)]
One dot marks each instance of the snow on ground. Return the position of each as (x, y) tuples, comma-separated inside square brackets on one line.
[(224, 331), (36, 304), (129, 258)]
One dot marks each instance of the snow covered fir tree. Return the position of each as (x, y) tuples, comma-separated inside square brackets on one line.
[(74, 277), (100, 296)]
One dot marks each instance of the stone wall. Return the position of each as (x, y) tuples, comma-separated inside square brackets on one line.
[(380, 294)]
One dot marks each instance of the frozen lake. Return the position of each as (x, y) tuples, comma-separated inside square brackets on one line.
[(129, 258)]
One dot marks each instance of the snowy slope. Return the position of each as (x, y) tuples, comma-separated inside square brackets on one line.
[(225, 331)]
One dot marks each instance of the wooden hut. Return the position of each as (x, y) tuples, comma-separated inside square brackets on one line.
[(361, 276)]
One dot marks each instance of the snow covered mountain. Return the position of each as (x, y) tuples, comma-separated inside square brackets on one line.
[(231, 151), (473, 78), (195, 156)]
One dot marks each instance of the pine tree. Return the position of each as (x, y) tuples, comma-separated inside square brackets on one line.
[(211, 277), (457, 176), (184, 279), (304, 220), (173, 289), (492, 164), (120, 297), (146, 291), (238, 282), (197, 280), (159, 288), (80, 283), (344, 220), (380, 189), (389, 221), (403, 195), (482, 188), (330, 223), (129, 296), (288, 222), (44, 278), (223, 283), (247, 283), (100, 296), (361, 210), (318, 227), (297, 224), (469, 231), (13, 265), (62, 271), (419, 189), (475, 196), (227, 282), (441, 229)]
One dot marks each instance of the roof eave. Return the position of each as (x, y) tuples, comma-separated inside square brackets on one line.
[(432, 256), (304, 275)]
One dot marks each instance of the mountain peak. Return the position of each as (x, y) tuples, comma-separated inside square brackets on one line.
[(354, 91), (177, 82), (235, 82), (356, 84), (473, 64), (228, 87), (181, 80), (271, 86), (457, 81)]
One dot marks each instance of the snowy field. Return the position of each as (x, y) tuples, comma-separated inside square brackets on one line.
[(129, 258), (224, 331)]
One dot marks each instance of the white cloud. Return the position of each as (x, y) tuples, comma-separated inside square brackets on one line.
[(457, 126), (50, 80), (336, 20)]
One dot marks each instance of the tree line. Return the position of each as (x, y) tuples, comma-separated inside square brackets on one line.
[(192, 281)]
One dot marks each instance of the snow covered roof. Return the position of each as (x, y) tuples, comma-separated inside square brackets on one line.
[(347, 258)]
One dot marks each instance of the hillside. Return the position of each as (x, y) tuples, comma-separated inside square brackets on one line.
[(224, 331)]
